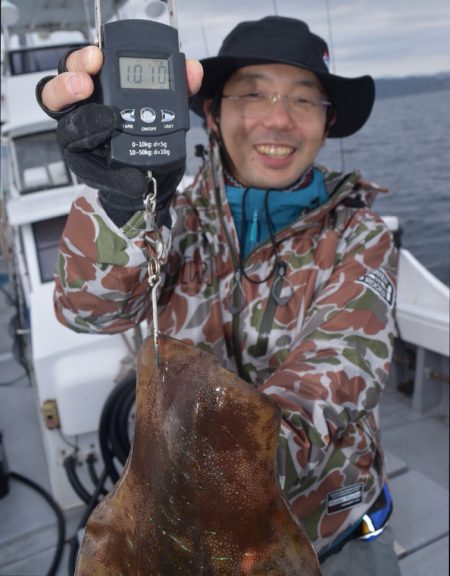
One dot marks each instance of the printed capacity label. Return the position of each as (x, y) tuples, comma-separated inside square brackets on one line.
[(146, 148)]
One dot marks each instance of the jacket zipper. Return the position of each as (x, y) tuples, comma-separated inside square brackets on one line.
[(275, 291), (269, 313), (236, 296)]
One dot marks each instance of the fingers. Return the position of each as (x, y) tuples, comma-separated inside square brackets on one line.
[(76, 84), (194, 73), (89, 59), (67, 89)]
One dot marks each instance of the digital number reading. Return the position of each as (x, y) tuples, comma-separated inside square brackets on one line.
[(144, 73)]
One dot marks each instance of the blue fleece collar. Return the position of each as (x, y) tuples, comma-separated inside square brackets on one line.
[(285, 207)]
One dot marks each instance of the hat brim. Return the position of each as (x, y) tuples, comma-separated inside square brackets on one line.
[(352, 98)]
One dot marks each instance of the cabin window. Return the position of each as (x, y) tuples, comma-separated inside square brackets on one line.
[(47, 234), (35, 59), (40, 163), (5, 170)]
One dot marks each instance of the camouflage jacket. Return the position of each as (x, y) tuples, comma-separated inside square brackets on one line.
[(312, 327)]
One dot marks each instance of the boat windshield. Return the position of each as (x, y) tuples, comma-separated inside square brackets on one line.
[(40, 163), (36, 59)]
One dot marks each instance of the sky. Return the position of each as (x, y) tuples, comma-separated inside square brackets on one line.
[(377, 37)]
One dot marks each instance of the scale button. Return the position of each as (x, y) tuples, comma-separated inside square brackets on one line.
[(148, 115), (167, 116), (128, 114)]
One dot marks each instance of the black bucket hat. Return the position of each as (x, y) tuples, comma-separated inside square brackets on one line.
[(277, 39)]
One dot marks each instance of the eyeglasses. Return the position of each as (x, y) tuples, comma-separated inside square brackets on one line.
[(258, 105)]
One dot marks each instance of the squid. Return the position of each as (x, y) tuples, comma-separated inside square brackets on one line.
[(198, 495)]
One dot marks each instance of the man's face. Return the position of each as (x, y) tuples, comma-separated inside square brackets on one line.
[(272, 151)]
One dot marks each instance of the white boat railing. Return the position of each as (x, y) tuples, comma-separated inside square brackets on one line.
[(422, 303), (423, 306)]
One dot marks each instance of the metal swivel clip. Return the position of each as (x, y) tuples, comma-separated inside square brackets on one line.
[(154, 253)]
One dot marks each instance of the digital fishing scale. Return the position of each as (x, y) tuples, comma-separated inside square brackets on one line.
[(144, 79)]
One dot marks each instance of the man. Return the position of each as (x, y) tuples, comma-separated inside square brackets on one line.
[(277, 266)]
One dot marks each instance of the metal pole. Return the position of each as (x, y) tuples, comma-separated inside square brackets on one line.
[(172, 13), (98, 23), (333, 69), (330, 38)]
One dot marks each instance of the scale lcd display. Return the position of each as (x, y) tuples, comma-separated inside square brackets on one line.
[(144, 73)]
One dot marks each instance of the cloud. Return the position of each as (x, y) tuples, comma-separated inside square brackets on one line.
[(386, 37)]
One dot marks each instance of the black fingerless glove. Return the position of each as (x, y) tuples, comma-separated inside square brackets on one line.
[(83, 132)]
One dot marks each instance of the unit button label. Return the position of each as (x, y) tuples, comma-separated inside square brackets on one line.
[(148, 115), (167, 116), (128, 114)]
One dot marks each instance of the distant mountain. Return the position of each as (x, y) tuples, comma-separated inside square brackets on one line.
[(392, 87)]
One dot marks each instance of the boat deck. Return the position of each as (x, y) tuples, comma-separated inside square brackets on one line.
[(417, 448)]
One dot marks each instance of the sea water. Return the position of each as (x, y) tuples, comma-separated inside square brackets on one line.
[(405, 146)]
